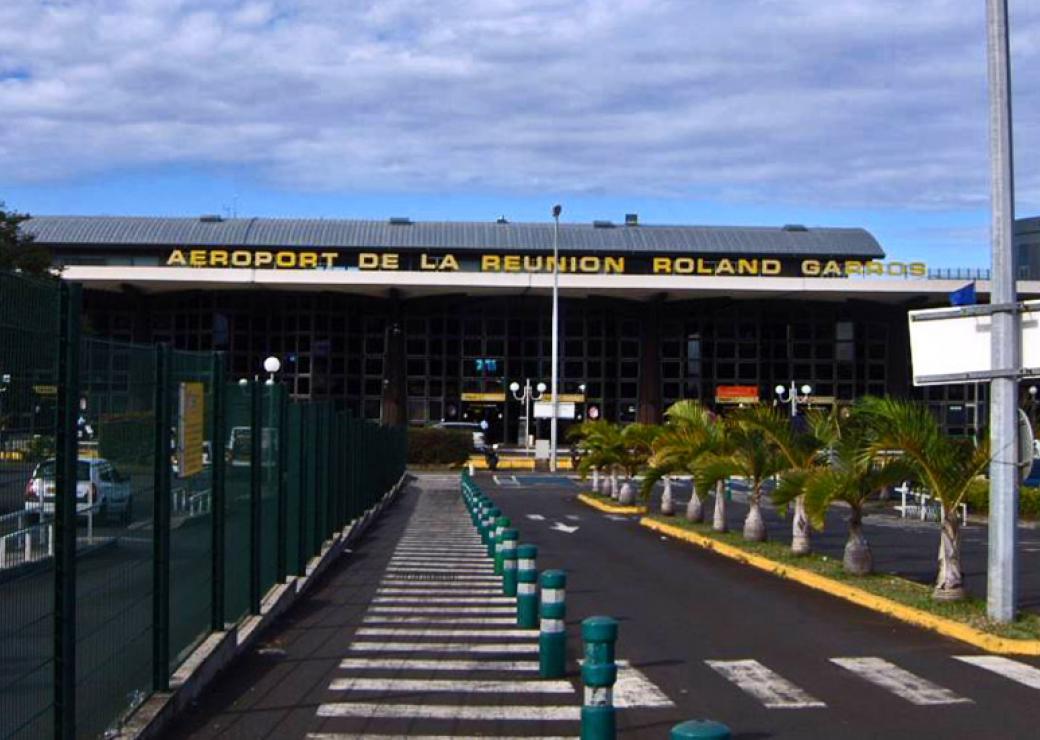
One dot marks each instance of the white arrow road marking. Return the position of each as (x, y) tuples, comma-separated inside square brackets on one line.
[(773, 690), (435, 711), (444, 647), (461, 686), (561, 527), (536, 517), (900, 682), (400, 664), (1024, 674)]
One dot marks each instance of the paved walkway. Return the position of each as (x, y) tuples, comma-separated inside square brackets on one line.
[(411, 639)]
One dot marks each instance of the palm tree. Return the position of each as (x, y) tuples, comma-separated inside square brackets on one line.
[(605, 451), (854, 471), (689, 432), (748, 453), (638, 445), (801, 451), (946, 466)]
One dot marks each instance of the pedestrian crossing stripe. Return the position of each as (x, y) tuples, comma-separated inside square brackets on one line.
[(899, 681), (404, 664), (1021, 673), (533, 686), (450, 711), (772, 689), (446, 632)]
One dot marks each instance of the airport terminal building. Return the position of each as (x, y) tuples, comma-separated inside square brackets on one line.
[(425, 321)]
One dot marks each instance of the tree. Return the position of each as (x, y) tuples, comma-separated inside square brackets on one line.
[(689, 432), (637, 441), (604, 451), (747, 453), (18, 250), (801, 450), (947, 467), (853, 472)]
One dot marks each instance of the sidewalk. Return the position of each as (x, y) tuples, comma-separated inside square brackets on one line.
[(412, 639)]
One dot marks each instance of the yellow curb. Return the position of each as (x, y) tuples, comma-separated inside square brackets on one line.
[(947, 627), (479, 462), (610, 508)]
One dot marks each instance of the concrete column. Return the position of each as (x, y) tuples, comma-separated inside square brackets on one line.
[(395, 398), (649, 409)]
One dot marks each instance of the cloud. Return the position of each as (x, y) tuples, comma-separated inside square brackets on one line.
[(851, 103)]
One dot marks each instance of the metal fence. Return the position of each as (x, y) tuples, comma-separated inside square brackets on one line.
[(146, 502)]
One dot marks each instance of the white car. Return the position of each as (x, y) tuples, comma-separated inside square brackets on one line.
[(99, 488), (479, 440)]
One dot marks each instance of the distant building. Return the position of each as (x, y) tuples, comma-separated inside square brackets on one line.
[(1027, 248)]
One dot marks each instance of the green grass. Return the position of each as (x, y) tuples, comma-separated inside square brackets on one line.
[(971, 611)]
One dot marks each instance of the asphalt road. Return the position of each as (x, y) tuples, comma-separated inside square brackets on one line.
[(679, 607), (788, 662)]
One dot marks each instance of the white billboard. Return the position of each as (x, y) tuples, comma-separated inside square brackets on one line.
[(543, 410), (961, 344)]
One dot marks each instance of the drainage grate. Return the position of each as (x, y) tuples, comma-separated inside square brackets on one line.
[(413, 576)]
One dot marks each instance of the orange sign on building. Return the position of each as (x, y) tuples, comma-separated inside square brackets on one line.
[(736, 394)]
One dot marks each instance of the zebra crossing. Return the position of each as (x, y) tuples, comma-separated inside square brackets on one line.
[(439, 646), (773, 691)]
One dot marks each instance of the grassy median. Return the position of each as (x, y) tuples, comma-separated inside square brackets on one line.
[(971, 611)]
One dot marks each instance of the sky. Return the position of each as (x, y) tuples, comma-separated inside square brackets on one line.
[(867, 113)]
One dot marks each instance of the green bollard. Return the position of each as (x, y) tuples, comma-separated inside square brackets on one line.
[(496, 545), (699, 729), (507, 552), (487, 525), (527, 587), (552, 638), (598, 673)]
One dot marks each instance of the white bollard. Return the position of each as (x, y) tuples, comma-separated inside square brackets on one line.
[(28, 546), (3, 552), (50, 540), (471, 470)]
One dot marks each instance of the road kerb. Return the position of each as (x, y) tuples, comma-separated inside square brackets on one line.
[(946, 627), (610, 508)]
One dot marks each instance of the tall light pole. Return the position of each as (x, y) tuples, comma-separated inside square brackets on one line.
[(792, 396), (525, 398), (1005, 340), (555, 382)]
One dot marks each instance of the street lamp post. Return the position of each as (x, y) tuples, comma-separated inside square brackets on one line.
[(555, 337), (525, 398), (792, 396)]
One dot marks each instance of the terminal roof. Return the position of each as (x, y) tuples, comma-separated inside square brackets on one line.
[(124, 231)]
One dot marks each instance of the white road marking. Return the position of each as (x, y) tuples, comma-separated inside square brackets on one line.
[(451, 600), (370, 736), (634, 689), (1021, 673), (773, 690), (444, 647), (450, 586), (440, 591), (442, 609), (900, 682), (404, 664), (572, 517), (561, 527), (615, 517), (534, 686), (435, 711), (468, 621), (536, 517), (441, 560), (445, 632)]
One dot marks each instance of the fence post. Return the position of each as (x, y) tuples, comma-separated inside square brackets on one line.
[(217, 462), (283, 483), (161, 524), (66, 453), (306, 480), (256, 424)]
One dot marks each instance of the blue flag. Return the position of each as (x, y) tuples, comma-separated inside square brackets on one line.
[(964, 296)]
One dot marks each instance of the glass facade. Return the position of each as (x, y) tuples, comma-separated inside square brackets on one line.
[(455, 356)]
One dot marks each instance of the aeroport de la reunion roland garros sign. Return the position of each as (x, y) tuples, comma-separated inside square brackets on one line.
[(744, 266)]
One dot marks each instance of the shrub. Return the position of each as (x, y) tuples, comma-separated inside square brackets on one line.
[(431, 446), (977, 500)]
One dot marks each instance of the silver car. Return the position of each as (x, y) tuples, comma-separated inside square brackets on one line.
[(100, 488)]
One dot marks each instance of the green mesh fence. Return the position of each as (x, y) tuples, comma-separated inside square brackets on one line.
[(193, 497), (237, 537), (29, 315), (114, 540), (191, 517)]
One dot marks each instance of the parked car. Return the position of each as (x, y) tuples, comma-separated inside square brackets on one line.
[(479, 440), (99, 488), (240, 446)]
